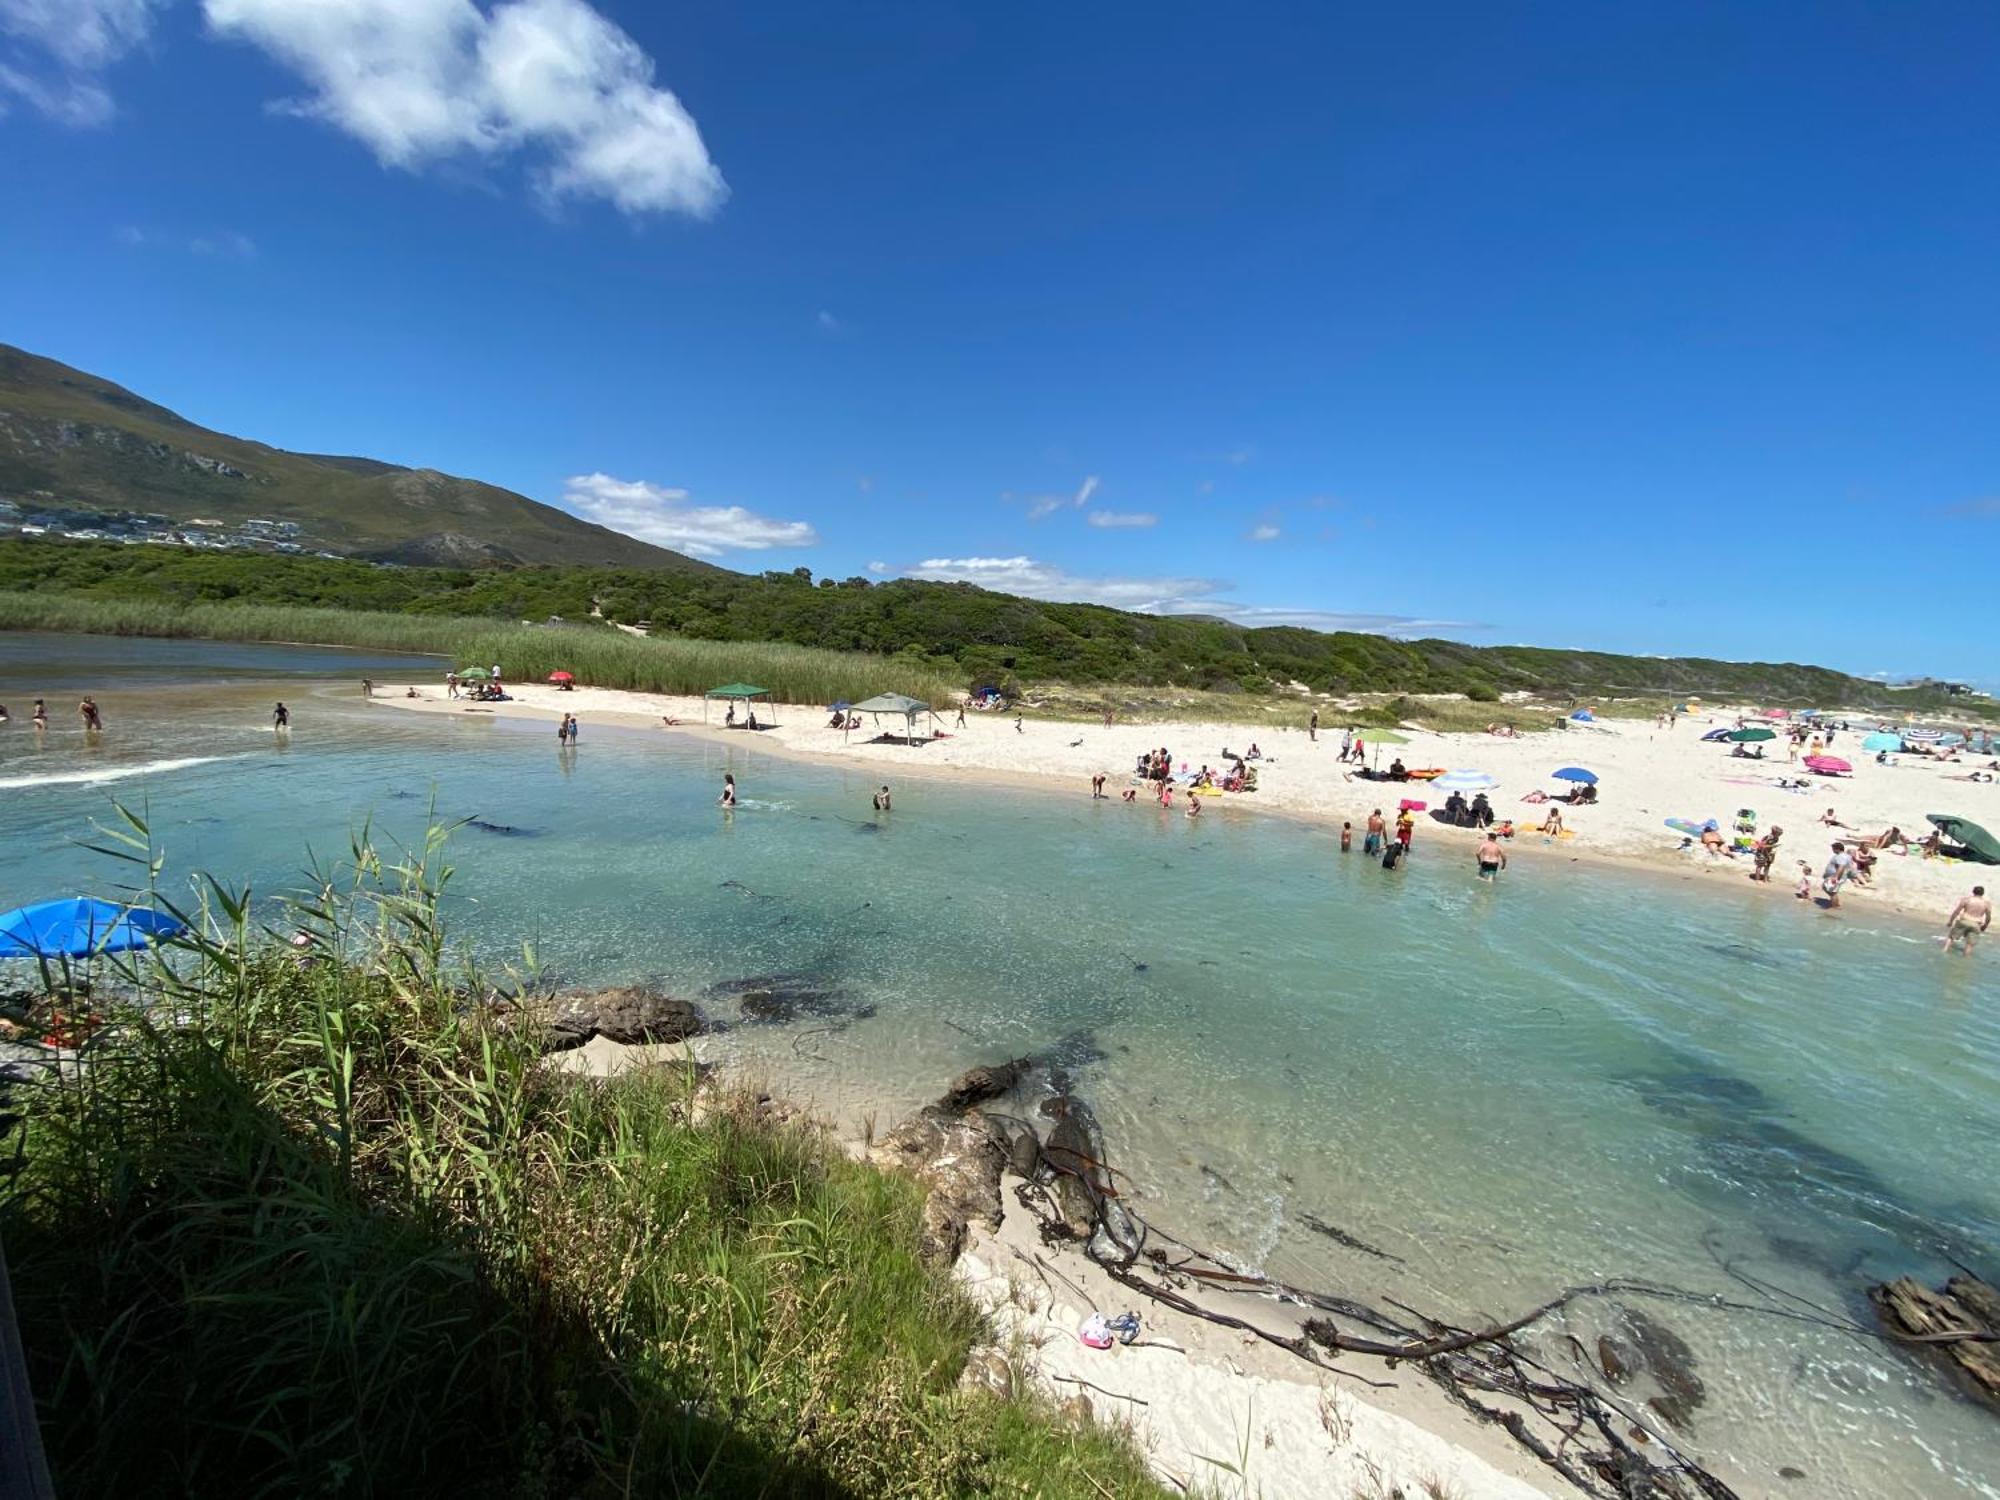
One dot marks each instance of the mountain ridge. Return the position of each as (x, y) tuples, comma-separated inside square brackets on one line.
[(73, 439)]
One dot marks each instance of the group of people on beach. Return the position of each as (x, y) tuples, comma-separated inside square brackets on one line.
[(87, 711)]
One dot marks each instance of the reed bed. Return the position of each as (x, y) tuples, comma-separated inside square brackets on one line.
[(309, 1220), (599, 655)]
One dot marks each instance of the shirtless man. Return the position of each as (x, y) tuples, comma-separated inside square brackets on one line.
[(1372, 843), (1972, 916), (1492, 858)]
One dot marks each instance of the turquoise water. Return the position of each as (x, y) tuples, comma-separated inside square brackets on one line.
[(1575, 1074)]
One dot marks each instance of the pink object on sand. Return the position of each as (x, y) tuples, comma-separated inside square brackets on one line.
[(1827, 765)]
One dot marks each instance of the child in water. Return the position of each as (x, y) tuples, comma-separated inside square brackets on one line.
[(1346, 837), (1804, 892)]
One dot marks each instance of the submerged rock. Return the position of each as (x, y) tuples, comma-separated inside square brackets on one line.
[(1966, 1305), (977, 1085), (780, 999)]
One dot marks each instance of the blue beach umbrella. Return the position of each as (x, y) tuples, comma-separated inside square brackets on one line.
[(82, 928), (1882, 741), (1576, 773)]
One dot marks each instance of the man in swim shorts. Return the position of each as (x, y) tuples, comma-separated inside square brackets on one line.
[(1492, 858), (1972, 916), (1372, 842)]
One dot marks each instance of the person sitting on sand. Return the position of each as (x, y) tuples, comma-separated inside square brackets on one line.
[(1831, 819), (1933, 846), (752, 724), (411, 692), (1864, 863), (1744, 752), (1552, 825), (1481, 811), (1253, 753), (1398, 771)]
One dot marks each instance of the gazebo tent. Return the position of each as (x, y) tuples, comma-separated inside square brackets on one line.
[(739, 692), (904, 708)]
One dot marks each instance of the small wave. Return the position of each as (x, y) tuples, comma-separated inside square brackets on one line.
[(107, 773)]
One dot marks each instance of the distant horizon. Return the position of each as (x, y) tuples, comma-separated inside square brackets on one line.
[(1663, 330)]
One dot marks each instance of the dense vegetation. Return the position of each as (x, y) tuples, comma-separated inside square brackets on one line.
[(957, 633), (310, 1223), (76, 441)]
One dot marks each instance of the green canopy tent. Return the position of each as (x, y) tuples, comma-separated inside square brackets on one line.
[(1975, 843), (895, 703), (740, 692)]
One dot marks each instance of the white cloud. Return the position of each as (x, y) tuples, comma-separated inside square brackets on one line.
[(878, 567), (827, 322), (420, 80), (223, 244), (1085, 490), (1264, 533), (60, 47), (1166, 595), (1044, 505), (1122, 518), (657, 514)]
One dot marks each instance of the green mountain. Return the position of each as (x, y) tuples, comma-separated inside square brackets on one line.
[(71, 441)]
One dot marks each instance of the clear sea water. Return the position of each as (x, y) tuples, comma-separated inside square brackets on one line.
[(1572, 1075)]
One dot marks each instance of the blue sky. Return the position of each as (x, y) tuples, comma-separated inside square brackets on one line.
[(1668, 328)]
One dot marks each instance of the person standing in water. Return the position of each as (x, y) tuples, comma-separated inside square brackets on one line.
[(728, 798), (281, 718), (1972, 916), (1492, 858), (92, 719), (1346, 837), (40, 717), (882, 800), (1372, 842)]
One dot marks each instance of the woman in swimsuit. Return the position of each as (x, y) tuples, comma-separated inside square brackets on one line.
[(728, 798)]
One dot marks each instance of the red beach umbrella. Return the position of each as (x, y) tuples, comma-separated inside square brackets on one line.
[(1828, 765), (561, 677)]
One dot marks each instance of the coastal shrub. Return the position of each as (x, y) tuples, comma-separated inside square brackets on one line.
[(309, 1220)]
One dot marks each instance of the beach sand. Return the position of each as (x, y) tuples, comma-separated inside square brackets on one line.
[(1647, 774)]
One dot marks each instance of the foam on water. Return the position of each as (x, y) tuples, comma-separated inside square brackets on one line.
[(99, 775)]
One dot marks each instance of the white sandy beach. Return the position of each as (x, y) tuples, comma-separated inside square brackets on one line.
[(1647, 775)]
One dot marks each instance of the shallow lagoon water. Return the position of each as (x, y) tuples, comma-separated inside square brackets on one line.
[(1576, 1074)]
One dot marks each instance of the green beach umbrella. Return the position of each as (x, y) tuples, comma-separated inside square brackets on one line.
[(1750, 736), (470, 673), (1978, 844), (1381, 737)]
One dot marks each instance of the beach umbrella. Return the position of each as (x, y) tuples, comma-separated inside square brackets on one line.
[(1575, 773), (82, 928), (1977, 844), (1924, 736), (1718, 734), (1879, 741), (1828, 765), (561, 677), (1380, 737), (1744, 736), (1465, 781), (1410, 804), (471, 674)]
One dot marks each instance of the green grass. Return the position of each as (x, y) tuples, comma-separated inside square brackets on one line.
[(598, 655), (315, 1225)]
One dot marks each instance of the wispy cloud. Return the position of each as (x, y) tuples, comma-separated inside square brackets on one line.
[(878, 568), (1161, 595), (1085, 490), (661, 515), (222, 244), (552, 81), (58, 50), (1985, 505), (1266, 532), (827, 322), (1115, 519), (1044, 505)]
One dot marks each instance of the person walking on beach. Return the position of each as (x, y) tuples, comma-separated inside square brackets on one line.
[(1839, 870), (1372, 843), (92, 719), (367, 688), (1766, 853), (1972, 916), (451, 684), (882, 800), (1491, 857), (961, 716), (281, 718), (728, 798), (1312, 729), (1097, 787)]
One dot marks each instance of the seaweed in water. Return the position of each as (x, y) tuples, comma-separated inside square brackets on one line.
[(1340, 1236), (505, 830)]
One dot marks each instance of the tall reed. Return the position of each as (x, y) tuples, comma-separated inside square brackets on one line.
[(598, 655)]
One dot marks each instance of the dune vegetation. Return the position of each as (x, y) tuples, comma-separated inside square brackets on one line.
[(309, 1221)]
